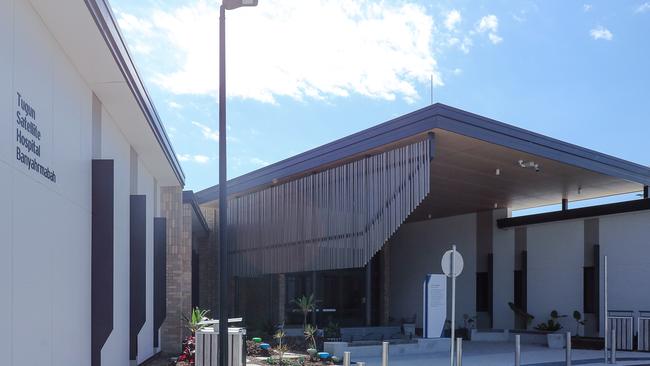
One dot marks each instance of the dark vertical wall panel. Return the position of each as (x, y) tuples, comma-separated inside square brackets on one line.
[(101, 256), (159, 279), (138, 270), (597, 286), (195, 274)]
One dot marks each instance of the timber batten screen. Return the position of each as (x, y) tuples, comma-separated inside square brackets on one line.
[(337, 218)]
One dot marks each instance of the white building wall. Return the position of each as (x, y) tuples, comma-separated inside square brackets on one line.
[(114, 146), (417, 249), (625, 239), (503, 254), (555, 270), (6, 178), (45, 227), (145, 337)]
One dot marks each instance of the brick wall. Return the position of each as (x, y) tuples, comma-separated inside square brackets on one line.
[(179, 268)]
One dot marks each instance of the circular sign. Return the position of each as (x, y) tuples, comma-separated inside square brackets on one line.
[(446, 263)]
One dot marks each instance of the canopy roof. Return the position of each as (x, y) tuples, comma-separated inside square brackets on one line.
[(468, 150)]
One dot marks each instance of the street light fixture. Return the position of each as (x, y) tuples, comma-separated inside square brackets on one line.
[(223, 194)]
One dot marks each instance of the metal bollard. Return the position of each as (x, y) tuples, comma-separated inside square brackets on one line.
[(517, 350), (346, 358), (384, 354), (459, 352), (568, 349), (361, 364), (613, 354)]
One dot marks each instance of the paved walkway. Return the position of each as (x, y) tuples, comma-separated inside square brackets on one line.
[(502, 354)]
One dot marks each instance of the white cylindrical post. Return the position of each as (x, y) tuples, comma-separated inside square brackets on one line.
[(568, 349), (517, 350), (459, 351), (606, 313), (614, 343), (384, 354), (346, 358), (453, 305), (361, 364)]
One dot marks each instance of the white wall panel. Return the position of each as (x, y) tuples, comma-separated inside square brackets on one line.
[(33, 225), (69, 95), (555, 270), (7, 114), (145, 337), (416, 250), (114, 146), (6, 248), (70, 279), (503, 250), (33, 51), (625, 239)]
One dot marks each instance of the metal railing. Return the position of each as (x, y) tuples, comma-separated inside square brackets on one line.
[(623, 322), (643, 331), (207, 347)]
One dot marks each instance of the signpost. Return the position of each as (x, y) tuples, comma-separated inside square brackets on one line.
[(452, 266)]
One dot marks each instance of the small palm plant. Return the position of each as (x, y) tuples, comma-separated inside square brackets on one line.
[(306, 304), (194, 320), (310, 338), (281, 348)]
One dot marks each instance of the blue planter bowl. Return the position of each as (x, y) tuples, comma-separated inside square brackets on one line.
[(323, 355), (265, 346)]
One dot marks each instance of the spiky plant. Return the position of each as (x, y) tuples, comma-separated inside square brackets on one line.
[(305, 304)]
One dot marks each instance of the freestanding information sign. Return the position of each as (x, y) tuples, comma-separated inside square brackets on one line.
[(435, 305)]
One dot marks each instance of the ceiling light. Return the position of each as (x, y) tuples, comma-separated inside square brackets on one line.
[(498, 171), (529, 164)]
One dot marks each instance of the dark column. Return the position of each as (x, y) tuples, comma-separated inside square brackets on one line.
[(565, 204), (314, 290), (102, 223), (645, 192), (369, 293), (138, 271), (160, 278)]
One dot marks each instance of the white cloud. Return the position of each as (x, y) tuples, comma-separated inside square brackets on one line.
[(601, 32), (643, 8), (174, 105), (296, 48), (495, 39), (586, 7), (457, 71), (452, 19), (259, 162), (132, 24), (490, 24), (201, 159), (207, 132)]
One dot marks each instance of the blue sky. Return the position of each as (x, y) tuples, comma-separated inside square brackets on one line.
[(302, 73)]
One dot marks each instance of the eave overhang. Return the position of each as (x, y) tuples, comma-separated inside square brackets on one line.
[(437, 116)]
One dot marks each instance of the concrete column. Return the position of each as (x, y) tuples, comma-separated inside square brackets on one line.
[(282, 297), (503, 254)]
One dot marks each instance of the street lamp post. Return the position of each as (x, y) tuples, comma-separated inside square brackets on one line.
[(223, 194)]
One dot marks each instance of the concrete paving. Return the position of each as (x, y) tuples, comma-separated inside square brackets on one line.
[(502, 354)]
